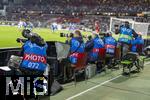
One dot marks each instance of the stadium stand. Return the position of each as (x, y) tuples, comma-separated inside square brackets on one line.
[(56, 6)]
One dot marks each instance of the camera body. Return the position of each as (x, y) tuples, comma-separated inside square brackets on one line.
[(66, 35), (33, 37), (26, 34)]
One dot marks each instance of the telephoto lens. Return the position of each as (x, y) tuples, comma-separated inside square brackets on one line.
[(61, 34), (64, 35)]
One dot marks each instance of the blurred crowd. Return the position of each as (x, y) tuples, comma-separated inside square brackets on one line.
[(49, 10), (57, 6)]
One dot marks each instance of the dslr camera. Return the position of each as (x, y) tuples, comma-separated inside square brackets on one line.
[(66, 35), (33, 37), (26, 34)]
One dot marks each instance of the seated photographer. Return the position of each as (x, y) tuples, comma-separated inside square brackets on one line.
[(77, 47), (137, 44), (110, 45), (34, 54), (75, 40), (95, 44), (89, 39), (94, 47)]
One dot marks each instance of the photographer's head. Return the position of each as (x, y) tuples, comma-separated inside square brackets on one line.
[(139, 34), (108, 34), (26, 33), (33, 37), (37, 39), (94, 34), (77, 34), (71, 35), (127, 24)]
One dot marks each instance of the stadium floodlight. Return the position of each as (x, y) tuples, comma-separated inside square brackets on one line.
[(144, 28)]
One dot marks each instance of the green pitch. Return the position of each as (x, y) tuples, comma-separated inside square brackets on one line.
[(9, 34)]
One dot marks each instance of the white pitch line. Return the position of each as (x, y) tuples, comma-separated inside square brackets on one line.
[(147, 63), (72, 97)]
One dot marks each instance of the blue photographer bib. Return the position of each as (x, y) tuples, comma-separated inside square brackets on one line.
[(34, 56), (97, 45), (125, 34), (110, 44)]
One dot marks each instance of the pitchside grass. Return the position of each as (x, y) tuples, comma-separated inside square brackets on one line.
[(8, 35)]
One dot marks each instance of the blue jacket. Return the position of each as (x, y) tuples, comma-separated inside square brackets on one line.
[(95, 44), (110, 44), (135, 42), (77, 45), (98, 43), (34, 56), (125, 34)]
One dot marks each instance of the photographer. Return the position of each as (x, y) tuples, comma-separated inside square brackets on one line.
[(137, 44), (125, 37), (95, 44), (94, 47), (89, 40), (75, 40), (34, 54), (110, 46), (77, 47)]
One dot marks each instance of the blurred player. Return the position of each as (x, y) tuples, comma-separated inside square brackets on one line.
[(97, 27), (72, 27), (28, 26), (21, 24), (54, 26)]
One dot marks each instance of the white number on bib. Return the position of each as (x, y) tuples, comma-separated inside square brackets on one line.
[(33, 65)]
